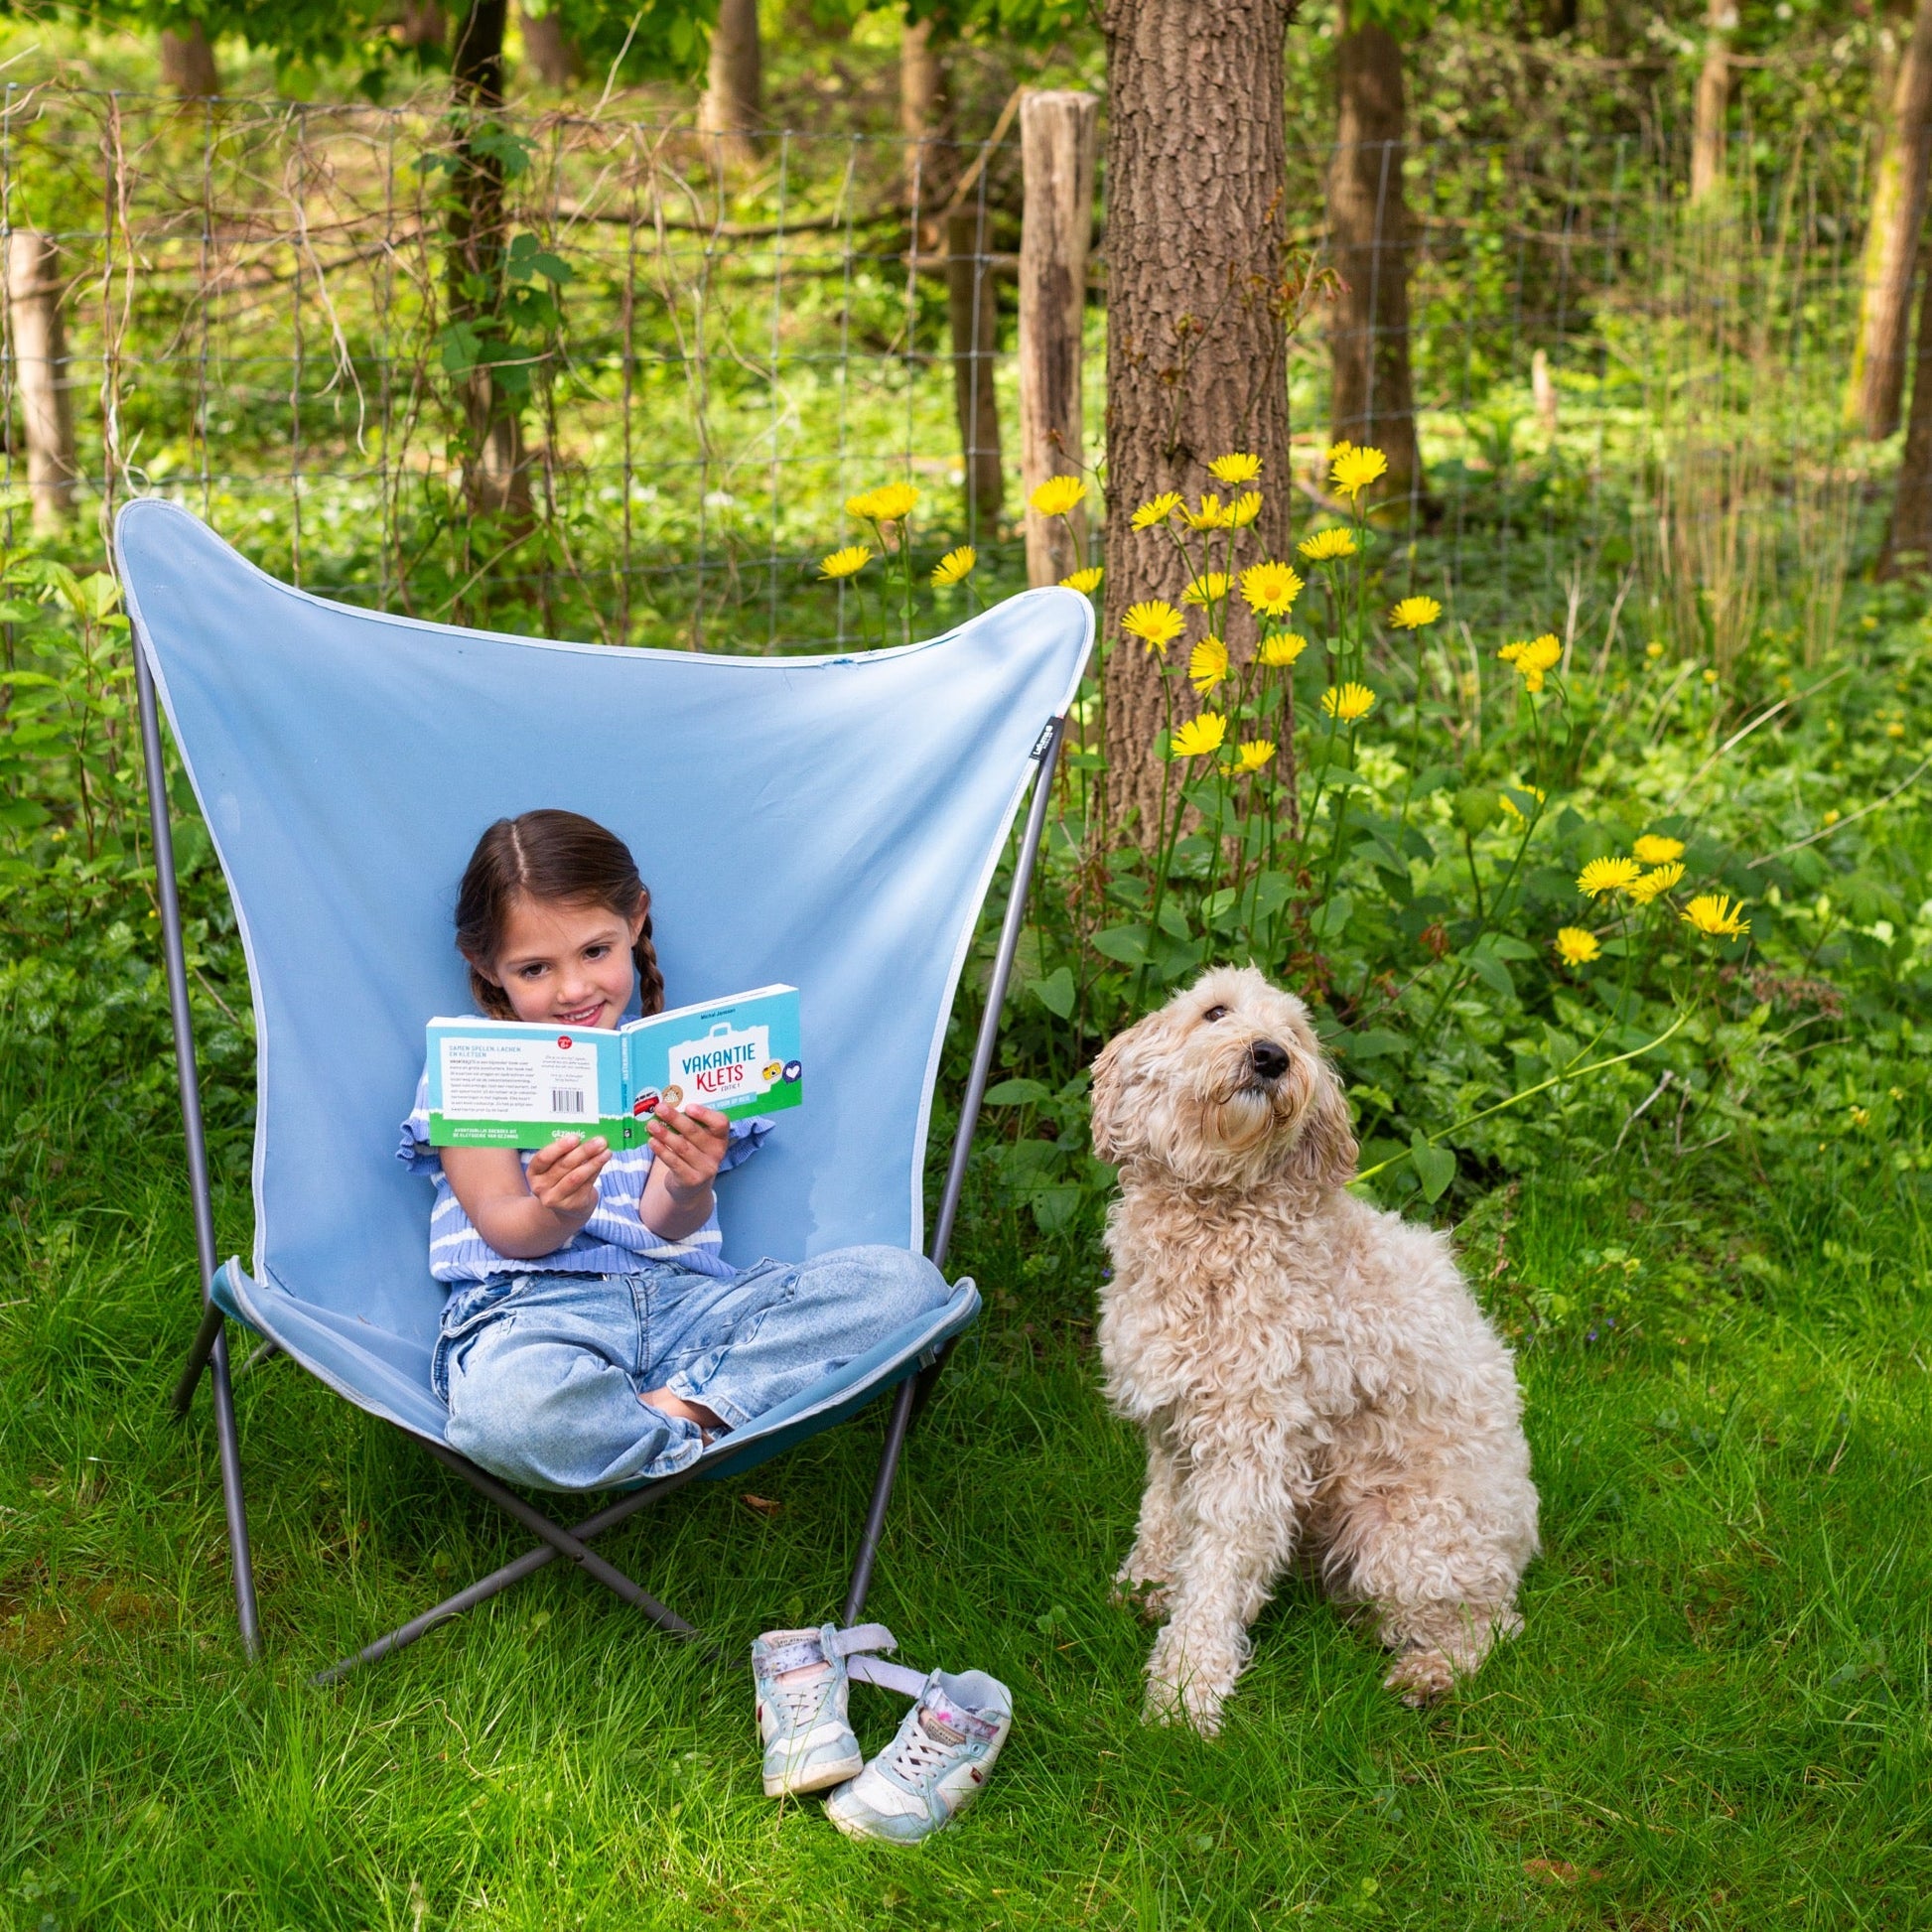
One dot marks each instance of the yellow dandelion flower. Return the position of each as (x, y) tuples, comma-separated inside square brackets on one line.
[(1210, 587), (1653, 651), (1207, 664), (1058, 495), (1354, 471), (845, 563), (1336, 450), (1198, 736), (1602, 875), (1087, 581), (1156, 622), (954, 567), (1415, 612), (1213, 514), (1244, 510), (1156, 509), (1237, 466), (1531, 659), (1512, 807), (1271, 589), (1653, 849), (1715, 915), (1281, 650), (1653, 884), (1327, 545), (1575, 946), (1348, 701), (1253, 754), (888, 504)]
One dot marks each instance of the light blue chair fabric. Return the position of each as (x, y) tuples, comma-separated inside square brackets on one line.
[(833, 822)]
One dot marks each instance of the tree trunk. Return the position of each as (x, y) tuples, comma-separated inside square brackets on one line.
[(551, 51), (733, 98), (924, 119), (188, 63), (1713, 100), (1373, 399), (40, 346), (1892, 239), (1908, 542), (1056, 130), (974, 312), (1195, 366), (496, 475), (423, 24)]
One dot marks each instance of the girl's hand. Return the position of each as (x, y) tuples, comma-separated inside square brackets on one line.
[(563, 1175), (689, 1147)]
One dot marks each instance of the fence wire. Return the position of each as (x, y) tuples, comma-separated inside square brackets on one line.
[(1621, 404)]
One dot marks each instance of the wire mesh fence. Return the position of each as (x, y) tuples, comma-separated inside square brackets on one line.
[(1623, 405)]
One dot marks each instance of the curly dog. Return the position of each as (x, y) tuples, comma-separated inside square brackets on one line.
[(1313, 1377)]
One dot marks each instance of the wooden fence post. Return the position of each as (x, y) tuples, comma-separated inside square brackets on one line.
[(39, 349), (973, 304), (1056, 143)]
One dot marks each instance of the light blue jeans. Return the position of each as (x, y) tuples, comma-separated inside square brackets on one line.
[(544, 1372)]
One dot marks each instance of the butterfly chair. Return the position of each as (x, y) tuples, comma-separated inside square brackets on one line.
[(832, 822)]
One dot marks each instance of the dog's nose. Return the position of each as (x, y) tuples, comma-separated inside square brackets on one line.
[(1268, 1059)]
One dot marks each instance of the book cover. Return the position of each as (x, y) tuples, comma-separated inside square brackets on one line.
[(521, 1083)]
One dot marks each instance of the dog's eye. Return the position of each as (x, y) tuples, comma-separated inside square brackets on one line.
[(1215, 1012)]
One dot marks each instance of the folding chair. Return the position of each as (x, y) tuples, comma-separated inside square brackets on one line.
[(833, 822)]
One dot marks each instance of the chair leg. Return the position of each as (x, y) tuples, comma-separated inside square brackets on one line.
[(501, 1579), (200, 1350), (232, 1501), (882, 1495)]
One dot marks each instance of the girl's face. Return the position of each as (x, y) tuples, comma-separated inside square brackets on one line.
[(566, 964)]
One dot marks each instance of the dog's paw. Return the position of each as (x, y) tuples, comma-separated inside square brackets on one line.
[(1169, 1702), (1420, 1678)]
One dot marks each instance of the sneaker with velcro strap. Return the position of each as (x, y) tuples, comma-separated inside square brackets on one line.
[(934, 1767), (803, 1681)]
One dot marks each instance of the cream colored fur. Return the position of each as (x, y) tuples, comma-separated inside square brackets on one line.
[(1313, 1375)]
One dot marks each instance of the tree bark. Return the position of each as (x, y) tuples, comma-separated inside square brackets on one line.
[(1898, 196), (423, 24), (496, 473), (34, 290), (188, 63), (924, 119), (1056, 138), (551, 51), (1713, 100), (1374, 399), (1195, 366), (1908, 540), (973, 311), (733, 98)]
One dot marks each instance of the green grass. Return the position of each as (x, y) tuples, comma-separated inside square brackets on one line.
[(1718, 1716)]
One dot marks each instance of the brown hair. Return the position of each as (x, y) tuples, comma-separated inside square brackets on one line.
[(548, 854)]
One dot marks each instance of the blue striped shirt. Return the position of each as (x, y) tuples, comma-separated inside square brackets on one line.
[(609, 1243)]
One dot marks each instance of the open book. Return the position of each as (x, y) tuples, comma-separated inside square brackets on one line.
[(519, 1083)]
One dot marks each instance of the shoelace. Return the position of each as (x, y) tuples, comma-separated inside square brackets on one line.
[(915, 1750), (802, 1698)]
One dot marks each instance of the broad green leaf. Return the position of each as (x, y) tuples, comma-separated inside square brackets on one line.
[(1490, 971), (1478, 808), (1126, 943), (1173, 920), (1435, 1167), (1016, 1093), (1057, 991), (1055, 1208), (1331, 918), (1372, 1042)]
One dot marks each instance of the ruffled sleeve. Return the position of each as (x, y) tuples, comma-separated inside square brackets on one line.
[(414, 1149), (747, 1137)]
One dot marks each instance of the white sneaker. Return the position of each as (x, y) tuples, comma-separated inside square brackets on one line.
[(934, 1768), (804, 1681)]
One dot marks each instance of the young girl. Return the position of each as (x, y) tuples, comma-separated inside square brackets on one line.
[(595, 1333)]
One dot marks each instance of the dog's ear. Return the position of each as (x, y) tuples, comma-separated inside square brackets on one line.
[(1112, 1077), (1323, 1154)]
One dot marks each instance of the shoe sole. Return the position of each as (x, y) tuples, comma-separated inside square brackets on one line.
[(854, 1830), (819, 1778)]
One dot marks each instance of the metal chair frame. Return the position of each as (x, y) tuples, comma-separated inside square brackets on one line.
[(209, 1350)]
